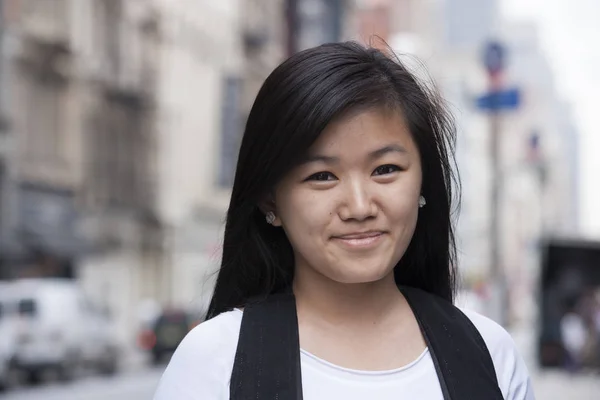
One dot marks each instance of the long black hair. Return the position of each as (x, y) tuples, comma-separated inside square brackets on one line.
[(296, 102)]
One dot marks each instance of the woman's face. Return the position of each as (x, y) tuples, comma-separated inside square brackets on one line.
[(350, 209)]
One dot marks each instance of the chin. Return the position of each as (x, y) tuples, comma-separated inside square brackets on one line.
[(360, 274)]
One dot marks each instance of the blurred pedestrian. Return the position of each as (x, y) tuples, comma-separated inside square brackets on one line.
[(338, 268), (574, 336)]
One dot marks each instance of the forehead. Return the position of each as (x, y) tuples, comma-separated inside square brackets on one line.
[(361, 131)]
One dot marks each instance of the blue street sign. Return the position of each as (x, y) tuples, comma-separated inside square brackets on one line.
[(501, 100)]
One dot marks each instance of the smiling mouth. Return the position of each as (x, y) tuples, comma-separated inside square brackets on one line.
[(360, 239)]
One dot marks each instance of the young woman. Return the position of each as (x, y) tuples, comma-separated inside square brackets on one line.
[(342, 195)]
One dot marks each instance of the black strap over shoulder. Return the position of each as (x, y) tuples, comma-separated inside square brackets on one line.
[(462, 360), (267, 361)]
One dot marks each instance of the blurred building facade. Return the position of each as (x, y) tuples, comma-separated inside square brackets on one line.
[(207, 122), (4, 132), (264, 38), (163, 232), (121, 113), (75, 137), (44, 163), (118, 44)]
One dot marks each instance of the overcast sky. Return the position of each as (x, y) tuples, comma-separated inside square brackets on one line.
[(570, 35)]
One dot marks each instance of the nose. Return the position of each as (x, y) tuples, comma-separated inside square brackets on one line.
[(358, 202)]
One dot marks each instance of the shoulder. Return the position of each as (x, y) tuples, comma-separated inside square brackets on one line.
[(201, 366), (213, 340), (512, 373)]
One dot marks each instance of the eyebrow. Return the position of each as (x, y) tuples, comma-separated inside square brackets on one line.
[(375, 154), (393, 148), (319, 158)]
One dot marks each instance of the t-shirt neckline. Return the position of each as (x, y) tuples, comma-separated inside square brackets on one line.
[(357, 372)]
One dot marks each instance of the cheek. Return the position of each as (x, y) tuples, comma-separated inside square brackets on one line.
[(401, 205), (404, 216), (304, 213)]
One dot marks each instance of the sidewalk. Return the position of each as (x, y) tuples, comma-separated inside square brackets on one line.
[(552, 384)]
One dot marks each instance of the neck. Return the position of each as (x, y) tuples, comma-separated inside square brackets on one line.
[(319, 298)]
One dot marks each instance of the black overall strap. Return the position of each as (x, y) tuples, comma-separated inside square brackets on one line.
[(461, 358), (267, 361)]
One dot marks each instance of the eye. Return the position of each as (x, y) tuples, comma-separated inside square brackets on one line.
[(386, 169), (321, 177)]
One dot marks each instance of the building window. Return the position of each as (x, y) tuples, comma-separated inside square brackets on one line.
[(108, 36), (120, 145), (119, 154), (44, 98)]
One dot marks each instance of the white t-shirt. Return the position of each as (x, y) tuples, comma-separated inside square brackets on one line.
[(201, 368)]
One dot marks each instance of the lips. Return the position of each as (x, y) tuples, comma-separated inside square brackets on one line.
[(359, 235), (359, 240)]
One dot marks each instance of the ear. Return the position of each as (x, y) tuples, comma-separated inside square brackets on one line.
[(268, 205)]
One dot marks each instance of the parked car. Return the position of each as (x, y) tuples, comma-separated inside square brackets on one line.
[(59, 329), (163, 336), (8, 371)]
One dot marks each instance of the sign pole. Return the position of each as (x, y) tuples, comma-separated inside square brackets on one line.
[(497, 271), (494, 62)]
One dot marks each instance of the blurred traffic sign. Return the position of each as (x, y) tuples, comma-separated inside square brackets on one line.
[(494, 57), (499, 100)]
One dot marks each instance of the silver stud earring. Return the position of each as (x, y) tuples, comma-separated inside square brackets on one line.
[(422, 202), (270, 217)]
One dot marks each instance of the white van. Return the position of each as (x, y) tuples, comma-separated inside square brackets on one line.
[(7, 342), (58, 329)]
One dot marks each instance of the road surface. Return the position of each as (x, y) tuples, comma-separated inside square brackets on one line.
[(130, 385)]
